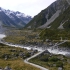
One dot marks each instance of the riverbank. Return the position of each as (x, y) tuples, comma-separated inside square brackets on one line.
[(54, 50), (52, 62), (51, 49), (13, 57)]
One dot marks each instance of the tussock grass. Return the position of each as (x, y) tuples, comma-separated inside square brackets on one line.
[(15, 64)]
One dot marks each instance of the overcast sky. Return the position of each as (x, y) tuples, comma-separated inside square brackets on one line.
[(29, 7)]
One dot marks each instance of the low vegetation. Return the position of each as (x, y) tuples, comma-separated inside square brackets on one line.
[(53, 34), (56, 36), (52, 62), (23, 36), (36, 37), (14, 58)]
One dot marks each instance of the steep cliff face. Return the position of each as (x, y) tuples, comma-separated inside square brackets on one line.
[(48, 15)]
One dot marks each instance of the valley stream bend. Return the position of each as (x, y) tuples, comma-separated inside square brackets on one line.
[(27, 60), (40, 67)]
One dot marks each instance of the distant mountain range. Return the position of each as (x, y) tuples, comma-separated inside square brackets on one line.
[(56, 16), (10, 18)]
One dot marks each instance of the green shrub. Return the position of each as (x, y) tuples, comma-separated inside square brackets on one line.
[(44, 59), (53, 59), (59, 64)]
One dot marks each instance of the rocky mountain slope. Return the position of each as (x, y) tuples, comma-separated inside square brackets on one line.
[(54, 16), (13, 19)]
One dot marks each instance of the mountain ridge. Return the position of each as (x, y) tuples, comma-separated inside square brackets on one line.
[(47, 16), (13, 19)]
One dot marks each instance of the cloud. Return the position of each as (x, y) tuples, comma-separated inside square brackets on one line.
[(30, 7)]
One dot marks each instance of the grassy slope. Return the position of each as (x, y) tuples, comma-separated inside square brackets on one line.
[(15, 64), (48, 63), (15, 36), (55, 34), (37, 20)]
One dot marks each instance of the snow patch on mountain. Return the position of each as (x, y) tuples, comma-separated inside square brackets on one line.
[(18, 14), (9, 14), (13, 19)]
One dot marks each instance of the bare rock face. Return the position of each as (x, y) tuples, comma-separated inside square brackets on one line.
[(68, 2), (62, 4), (59, 6)]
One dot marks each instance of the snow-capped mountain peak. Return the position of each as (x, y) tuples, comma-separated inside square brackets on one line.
[(18, 14), (13, 18)]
